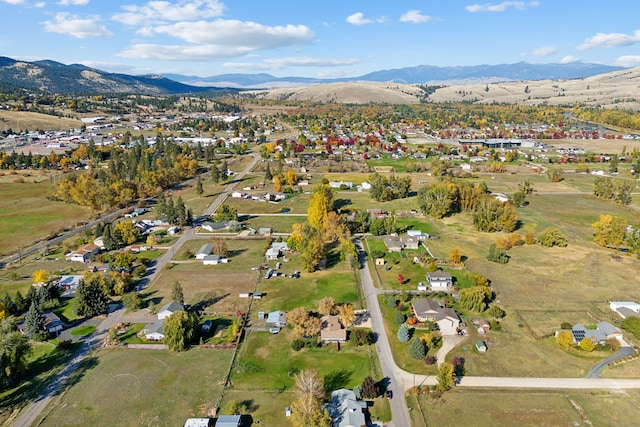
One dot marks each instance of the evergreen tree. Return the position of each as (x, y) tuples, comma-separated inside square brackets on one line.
[(418, 349), (267, 174), (403, 334), (199, 187), (176, 292), (181, 212), (9, 305), (215, 174), (21, 303), (33, 322), (224, 170), (91, 299)]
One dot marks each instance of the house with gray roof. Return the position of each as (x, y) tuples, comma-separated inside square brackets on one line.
[(428, 310), (168, 309), (440, 280), (602, 332), (345, 410), (154, 331), (204, 251)]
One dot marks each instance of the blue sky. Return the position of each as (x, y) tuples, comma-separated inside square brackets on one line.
[(317, 38)]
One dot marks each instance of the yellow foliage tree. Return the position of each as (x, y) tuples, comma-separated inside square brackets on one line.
[(291, 177), (277, 184), (565, 339), (455, 256), (40, 276)]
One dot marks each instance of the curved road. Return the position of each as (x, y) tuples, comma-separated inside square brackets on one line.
[(401, 380)]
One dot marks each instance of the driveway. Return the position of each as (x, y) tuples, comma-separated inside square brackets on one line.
[(449, 342), (624, 351)]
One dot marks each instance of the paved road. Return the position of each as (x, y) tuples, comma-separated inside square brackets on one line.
[(29, 415), (399, 410)]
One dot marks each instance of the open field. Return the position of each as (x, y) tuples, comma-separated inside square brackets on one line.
[(148, 387), (295, 205), (22, 120), (26, 215), (525, 408)]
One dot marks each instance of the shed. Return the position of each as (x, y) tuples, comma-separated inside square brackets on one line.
[(257, 295), (228, 421), (481, 346), (379, 261)]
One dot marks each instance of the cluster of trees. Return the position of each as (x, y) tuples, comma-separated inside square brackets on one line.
[(324, 228), (606, 188), (385, 189), (91, 297), (307, 323), (140, 171), (447, 197), (173, 212), (611, 231), (14, 349), (180, 330)]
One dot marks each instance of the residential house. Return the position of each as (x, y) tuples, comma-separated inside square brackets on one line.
[(331, 329), (238, 194), (625, 308), (136, 212), (83, 254), (272, 254), (214, 260), (440, 280), (602, 332), (428, 310), (345, 410), (340, 184), (409, 242), (281, 246), (277, 318), (265, 231), (68, 284), (228, 421), (52, 322), (205, 250), (417, 233), (393, 243), (198, 422), (173, 230), (168, 309), (214, 226), (154, 331), (274, 197)]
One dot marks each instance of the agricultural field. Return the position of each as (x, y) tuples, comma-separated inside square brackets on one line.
[(135, 381), (26, 215)]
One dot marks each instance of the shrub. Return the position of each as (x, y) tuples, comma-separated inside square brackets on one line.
[(586, 344), (377, 254), (612, 343), (503, 244), (495, 325), (65, 344), (369, 388), (298, 344), (497, 254), (458, 366), (497, 312), (529, 239), (392, 302), (552, 237), (565, 325), (430, 360), (515, 239), (360, 336), (418, 349), (412, 320), (400, 318), (564, 339), (631, 325)]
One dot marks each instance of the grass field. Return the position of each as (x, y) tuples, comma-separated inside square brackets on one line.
[(148, 387), (81, 331), (525, 408), (22, 120), (27, 216)]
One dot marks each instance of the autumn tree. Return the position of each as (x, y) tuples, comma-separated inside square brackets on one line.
[(552, 237), (586, 344), (220, 247), (369, 388), (297, 318), (327, 305), (564, 339), (40, 276), (475, 298), (455, 256), (446, 379), (609, 231), (320, 205), (492, 215), (277, 184), (346, 314), (555, 174), (291, 177), (126, 233), (307, 410)]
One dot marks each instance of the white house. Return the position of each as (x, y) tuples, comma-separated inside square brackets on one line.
[(625, 308), (345, 410), (440, 280), (214, 260), (168, 309), (83, 254), (272, 254), (198, 422), (205, 250), (173, 230), (154, 331)]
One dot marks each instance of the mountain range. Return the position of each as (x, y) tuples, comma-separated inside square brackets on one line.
[(55, 77)]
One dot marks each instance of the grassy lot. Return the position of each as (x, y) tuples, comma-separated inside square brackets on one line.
[(401, 350), (67, 310), (43, 363), (524, 408), (279, 224), (224, 336), (26, 215), (297, 204), (135, 381), (81, 331)]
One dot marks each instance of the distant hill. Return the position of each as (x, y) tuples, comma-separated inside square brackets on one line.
[(414, 75), (619, 89), (54, 77)]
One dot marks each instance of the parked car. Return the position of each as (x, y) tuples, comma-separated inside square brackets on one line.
[(389, 394)]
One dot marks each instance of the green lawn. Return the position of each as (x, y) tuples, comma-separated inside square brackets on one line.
[(148, 387), (83, 330), (67, 310)]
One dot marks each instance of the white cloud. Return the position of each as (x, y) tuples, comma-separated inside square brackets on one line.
[(628, 61), (610, 40), (415, 17), (39, 4), (280, 63), (569, 59), (74, 26), (218, 39), (73, 2), (13, 1), (358, 19), (543, 51), (500, 7), (166, 11)]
